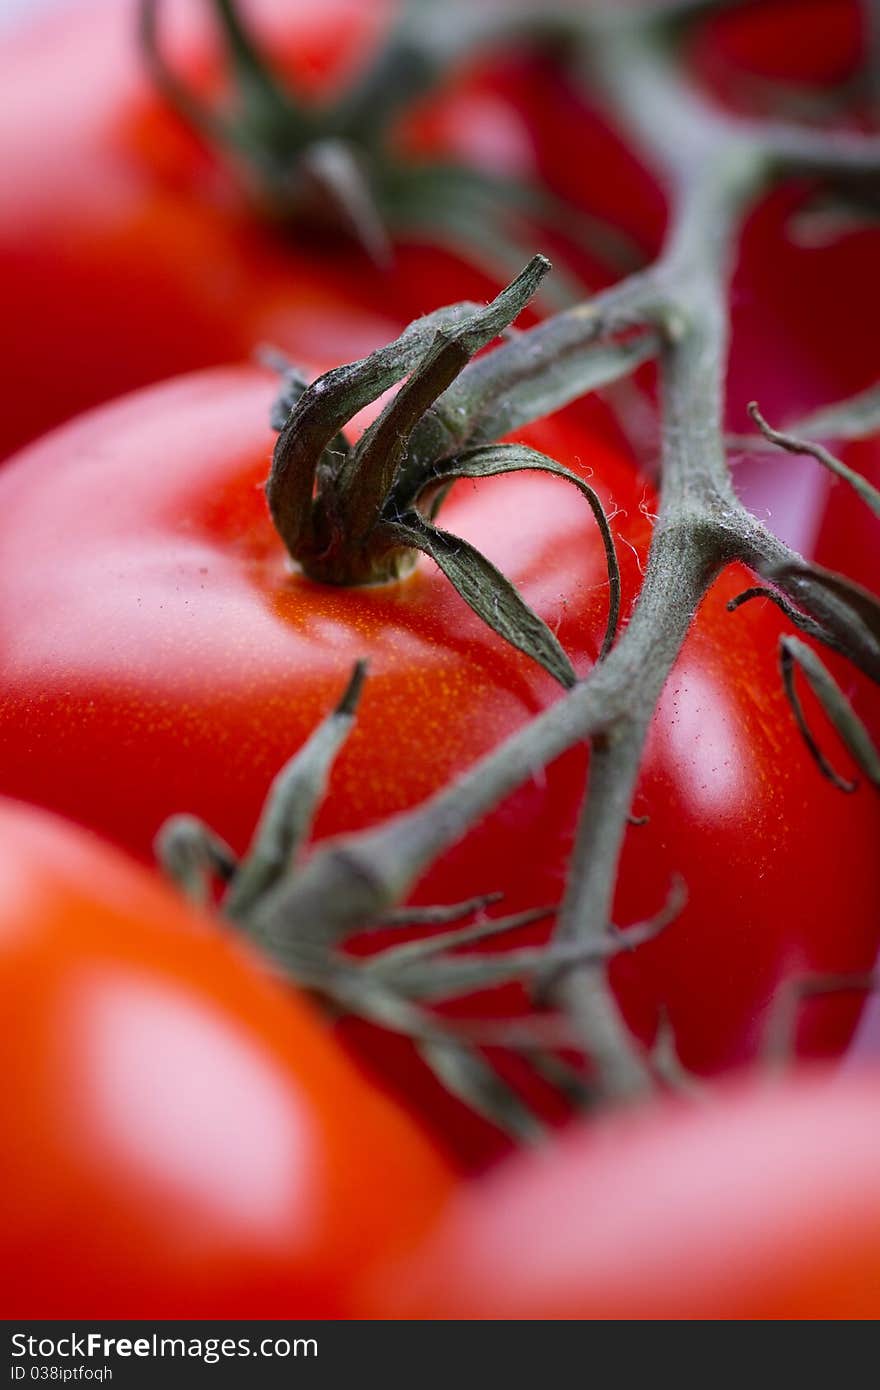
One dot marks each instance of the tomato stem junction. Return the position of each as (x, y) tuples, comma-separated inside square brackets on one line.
[(443, 424)]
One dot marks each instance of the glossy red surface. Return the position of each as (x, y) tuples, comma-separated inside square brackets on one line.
[(180, 1137)]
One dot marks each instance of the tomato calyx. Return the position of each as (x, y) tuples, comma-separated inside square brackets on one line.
[(333, 169), (301, 167), (360, 515)]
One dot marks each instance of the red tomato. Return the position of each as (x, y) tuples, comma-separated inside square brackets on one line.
[(849, 535), (180, 1139), (160, 654), (125, 254), (762, 1205), (849, 542), (607, 178), (129, 252)]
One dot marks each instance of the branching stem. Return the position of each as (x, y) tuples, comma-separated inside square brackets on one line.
[(716, 167)]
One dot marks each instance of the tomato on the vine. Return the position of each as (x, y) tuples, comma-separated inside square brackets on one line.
[(160, 654), (113, 272), (763, 1203), (180, 1137), (131, 250), (808, 254)]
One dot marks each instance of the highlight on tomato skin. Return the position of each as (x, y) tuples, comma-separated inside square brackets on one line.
[(181, 1137), (761, 1202)]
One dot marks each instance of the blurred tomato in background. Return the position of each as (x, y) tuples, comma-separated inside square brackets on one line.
[(763, 1202)]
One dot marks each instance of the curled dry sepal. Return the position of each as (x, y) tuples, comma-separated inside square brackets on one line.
[(359, 515)]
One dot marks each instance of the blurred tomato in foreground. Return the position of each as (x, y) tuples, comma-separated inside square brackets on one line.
[(764, 1203), (180, 1138)]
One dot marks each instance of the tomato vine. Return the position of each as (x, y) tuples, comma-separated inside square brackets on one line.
[(675, 311)]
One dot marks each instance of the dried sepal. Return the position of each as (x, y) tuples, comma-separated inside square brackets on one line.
[(485, 589), (336, 166), (264, 128), (847, 616), (795, 654), (415, 953), (436, 915), (325, 407), (374, 504), (492, 460), (366, 482)]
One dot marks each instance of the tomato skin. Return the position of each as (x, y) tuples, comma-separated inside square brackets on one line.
[(181, 1138), (762, 1204), (159, 654)]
